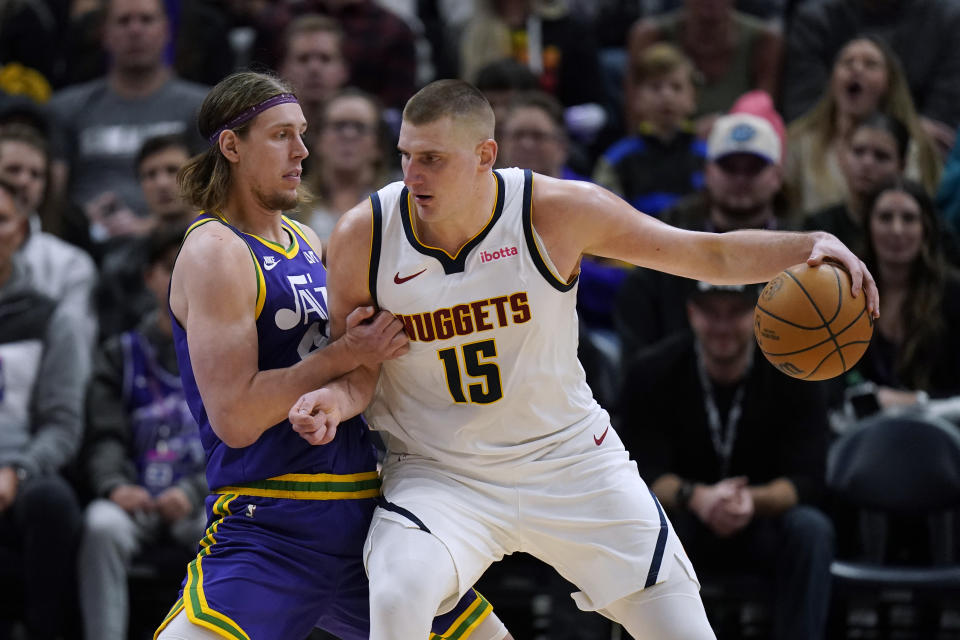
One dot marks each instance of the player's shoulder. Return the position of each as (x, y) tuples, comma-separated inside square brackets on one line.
[(557, 194), (355, 223), (388, 194), (210, 245)]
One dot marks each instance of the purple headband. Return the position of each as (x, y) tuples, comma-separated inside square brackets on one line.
[(249, 114)]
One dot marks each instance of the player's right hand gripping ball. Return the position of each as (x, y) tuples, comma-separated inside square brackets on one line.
[(809, 325)]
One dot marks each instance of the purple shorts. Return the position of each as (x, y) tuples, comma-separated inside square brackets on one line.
[(274, 568)]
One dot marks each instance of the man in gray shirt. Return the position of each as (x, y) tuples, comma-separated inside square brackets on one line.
[(104, 122), (43, 372)]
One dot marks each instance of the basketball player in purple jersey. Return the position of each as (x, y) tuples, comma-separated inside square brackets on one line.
[(286, 520)]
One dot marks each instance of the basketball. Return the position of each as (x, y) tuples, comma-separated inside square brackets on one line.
[(808, 325)]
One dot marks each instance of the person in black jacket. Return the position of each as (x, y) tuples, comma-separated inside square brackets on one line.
[(915, 352), (142, 458), (736, 453)]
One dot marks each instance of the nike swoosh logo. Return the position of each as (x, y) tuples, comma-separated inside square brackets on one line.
[(397, 279), (270, 265), (603, 435)]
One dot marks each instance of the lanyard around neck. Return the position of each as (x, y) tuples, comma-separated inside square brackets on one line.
[(722, 436)]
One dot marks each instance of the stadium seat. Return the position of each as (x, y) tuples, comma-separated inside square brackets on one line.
[(891, 470)]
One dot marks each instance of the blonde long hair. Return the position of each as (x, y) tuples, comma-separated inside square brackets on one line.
[(206, 179), (820, 122)]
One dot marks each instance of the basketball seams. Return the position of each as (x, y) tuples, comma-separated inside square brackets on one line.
[(812, 304), (839, 352), (788, 322), (821, 363), (826, 325), (839, 333), (839, 283), (855, 320), (811, 347), (806, 306)]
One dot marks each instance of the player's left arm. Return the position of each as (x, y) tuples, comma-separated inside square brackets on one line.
[(316, 414), (573, 218)]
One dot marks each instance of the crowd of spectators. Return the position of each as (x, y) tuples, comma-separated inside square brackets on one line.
[(712, 115)]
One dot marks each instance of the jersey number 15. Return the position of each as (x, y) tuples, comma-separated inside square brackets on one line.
[(475, 364)]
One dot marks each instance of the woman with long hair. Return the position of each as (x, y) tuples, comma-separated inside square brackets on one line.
[(873, 153), (867, 77), (915, 351)]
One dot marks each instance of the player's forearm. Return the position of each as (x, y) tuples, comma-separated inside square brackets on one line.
[(266, 397), (355, 390), (757, 256)]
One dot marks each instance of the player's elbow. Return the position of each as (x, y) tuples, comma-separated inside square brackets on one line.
[(233, 430)]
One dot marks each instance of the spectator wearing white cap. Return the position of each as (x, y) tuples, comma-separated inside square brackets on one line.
[(743, 181)]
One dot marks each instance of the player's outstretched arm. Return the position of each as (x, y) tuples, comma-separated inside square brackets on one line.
[(213, 295), (573, 218)]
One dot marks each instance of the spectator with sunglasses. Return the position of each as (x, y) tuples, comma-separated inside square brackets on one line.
[(350, 158)]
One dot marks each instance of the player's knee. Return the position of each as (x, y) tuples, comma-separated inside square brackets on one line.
[(402, 604), (407, 568), (670, 616), (397, 586)]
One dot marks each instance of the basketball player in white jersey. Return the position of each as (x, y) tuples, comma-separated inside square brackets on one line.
[(495, 444)]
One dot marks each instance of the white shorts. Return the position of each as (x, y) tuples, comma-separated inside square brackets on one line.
[(582, 509)]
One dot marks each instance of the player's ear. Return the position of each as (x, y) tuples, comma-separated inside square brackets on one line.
[(487, 151), (228, 146)]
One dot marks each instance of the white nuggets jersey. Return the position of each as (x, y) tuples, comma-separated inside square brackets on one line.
[(492, 374)]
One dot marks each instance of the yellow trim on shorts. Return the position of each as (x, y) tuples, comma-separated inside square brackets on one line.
[(468, 621), (311, 486), (194, 599), (177, 608)]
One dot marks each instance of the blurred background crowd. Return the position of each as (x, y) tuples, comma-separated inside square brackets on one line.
[(811, 510)]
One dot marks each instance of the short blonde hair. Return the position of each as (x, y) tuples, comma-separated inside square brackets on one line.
[(455, 99)]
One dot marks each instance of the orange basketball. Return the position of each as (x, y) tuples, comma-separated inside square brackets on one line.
[(808, 324)]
